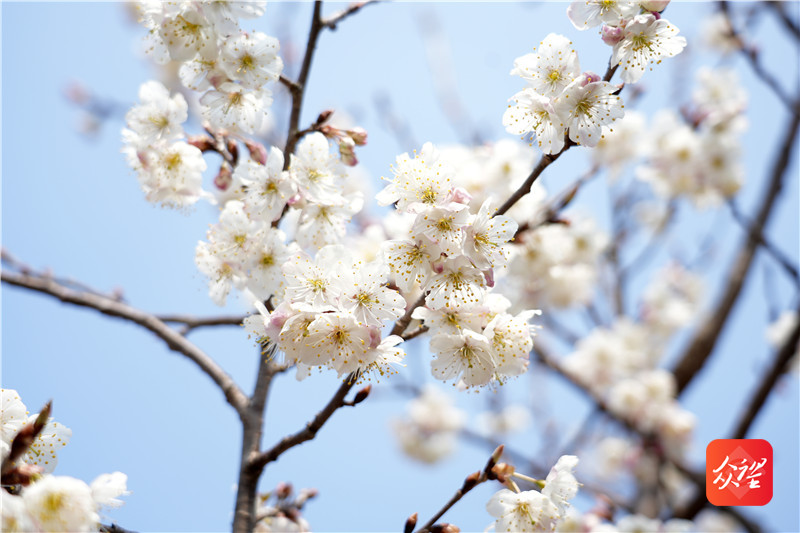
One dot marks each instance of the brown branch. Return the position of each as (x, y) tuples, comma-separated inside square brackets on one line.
[(192, 322), (297, 89), (770, 248), (759, 397), (471, 481), (752, 57), (353, 8), (415, 333), (525, 188), (705, 338), (790, 25), (257, 462), (108, 306)]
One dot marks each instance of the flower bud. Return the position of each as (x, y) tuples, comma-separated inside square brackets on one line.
[(224, 178), (202, 142), (589, 77), (283, 490), (258, 152), (654, 6), (611, 35), (470, 481), (362, 395), (347, 151), (359, 136), (411, 523), (324, 117), (501, 472), (445, 528)]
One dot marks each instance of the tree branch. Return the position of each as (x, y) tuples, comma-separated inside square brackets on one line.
[(353, 8), (776, 254), (705, 338), (108, 306), (297, 89), (759, 397)]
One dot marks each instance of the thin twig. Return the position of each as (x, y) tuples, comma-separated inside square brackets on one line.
[(353, 8), (192, 322), (759, 397), (297, 89), (752, 57), (773, 250), (108, 306)]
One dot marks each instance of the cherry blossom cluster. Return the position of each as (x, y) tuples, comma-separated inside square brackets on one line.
[(41, 501), (698, 155), (231, 67), (169, 170), (559, 100), (640, 36), (317, 198), (532, 510), (429, 431), (556, 265), (333, 308), (620, 362), (452, 255)]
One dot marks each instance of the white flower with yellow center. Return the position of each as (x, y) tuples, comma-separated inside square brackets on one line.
[(252, 59), (337, 340), (552, 66), (646, 40), (585, 14), (316, 172), (234, 107), (459, 285), (159, 116), (466, 356), (527, 511), (267, 187), (444, 227), (487, 237), (172, 175), (586, 107), (535, 113), (419, 183), (410, 261), (60, 503)]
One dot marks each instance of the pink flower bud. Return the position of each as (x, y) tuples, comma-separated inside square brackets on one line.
[(459, 195), (438, 265), (589, 77), (224, 178), (359, 136), (611, 35), (283, 490), (258, 152), (489, 277)]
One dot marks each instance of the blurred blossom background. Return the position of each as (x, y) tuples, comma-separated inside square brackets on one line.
[(407, 73)]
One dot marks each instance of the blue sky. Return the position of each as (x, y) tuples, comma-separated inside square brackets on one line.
[(72, 205)]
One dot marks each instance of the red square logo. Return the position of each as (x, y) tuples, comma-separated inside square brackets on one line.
[(739, 472)]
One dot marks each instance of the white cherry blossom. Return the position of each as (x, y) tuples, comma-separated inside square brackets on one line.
[(251, 59), (646, 40), (552, 67)]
